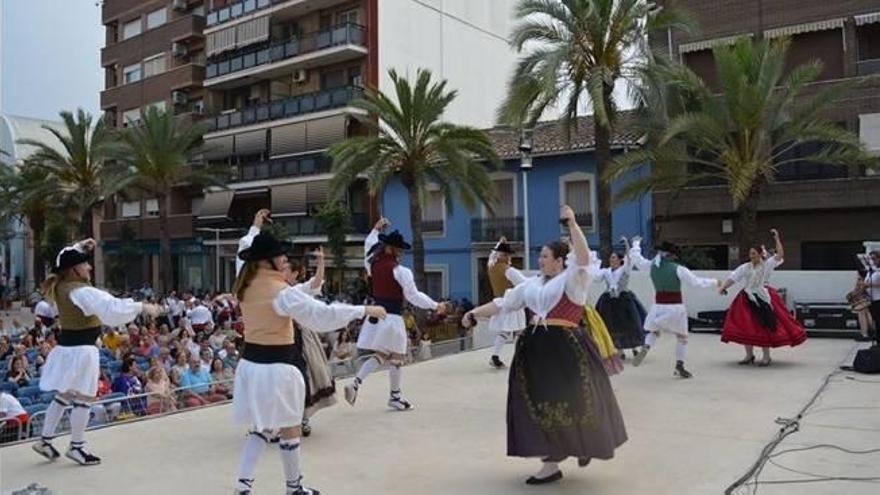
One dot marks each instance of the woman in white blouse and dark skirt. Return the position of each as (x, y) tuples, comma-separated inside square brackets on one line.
[(560, 402), (72, 368), (758, 316), (619, 307)]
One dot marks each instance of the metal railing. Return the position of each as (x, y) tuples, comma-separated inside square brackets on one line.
[(281, 167), (230, 63), (288, 107), (237, 9), (11, 430), (492, 229), (433, 226)]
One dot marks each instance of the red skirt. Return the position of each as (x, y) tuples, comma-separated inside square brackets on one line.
[(742, 325)]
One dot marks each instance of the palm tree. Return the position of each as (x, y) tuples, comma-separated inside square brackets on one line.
[(407, 139), (78, 159), (26, 195), (577, 51), (157, 153), (739, 136)]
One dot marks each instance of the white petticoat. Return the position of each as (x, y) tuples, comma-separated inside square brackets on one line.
[(388, 335), (672, 318), (268, 396), (72, 369), (508, 321)]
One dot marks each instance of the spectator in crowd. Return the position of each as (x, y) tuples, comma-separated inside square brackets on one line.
[(16, 418), (181, 361), (174, 307), (217, 339), (45, 349), (104, 413), (46, 312), (148, 348), (164, 338), (197, 384), (199, 316), (345, 346), (425, 347), (111, 339), (222, 377), (18, 373), (206, 355), (161, 398), (134, 336), (5, 348), (128, 383), (229, 354)]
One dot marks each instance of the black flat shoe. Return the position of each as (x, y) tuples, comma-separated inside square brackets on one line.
[(747, 360), (584, 462), (543, 481)]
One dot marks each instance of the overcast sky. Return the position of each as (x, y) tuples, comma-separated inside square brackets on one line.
[(50, 56)]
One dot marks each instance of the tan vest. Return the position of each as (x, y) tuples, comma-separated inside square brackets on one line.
[(262, 325), (70, 316), (498, 278)]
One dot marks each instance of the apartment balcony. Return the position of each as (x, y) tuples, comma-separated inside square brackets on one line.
[(153, 41), (808, 195), (153, 88), (330, 46), (310, 226), (179, 227), (288, 110), (245, 10), (868, 67), (492, 229), (278, 168)]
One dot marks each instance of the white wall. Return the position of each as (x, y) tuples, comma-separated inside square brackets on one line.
[(463, 41)]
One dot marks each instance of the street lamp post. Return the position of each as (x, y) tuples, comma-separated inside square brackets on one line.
[(217, 233), (525, 150)]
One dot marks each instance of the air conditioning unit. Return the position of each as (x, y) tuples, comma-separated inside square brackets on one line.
[(179, 97), (180, 5), (199, 108), (179, 49), (300, 76)]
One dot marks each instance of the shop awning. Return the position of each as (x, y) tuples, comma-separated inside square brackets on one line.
[(217, 148), (808, 27), (253, 31), (216, 205), (250, 143), (289, 199), (871, 18), (708, 44)]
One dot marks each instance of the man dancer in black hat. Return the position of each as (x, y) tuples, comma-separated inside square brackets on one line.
[(503, 276), (668, 314), (391, 283)]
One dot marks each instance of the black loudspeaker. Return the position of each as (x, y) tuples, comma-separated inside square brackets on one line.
[(867, 360)]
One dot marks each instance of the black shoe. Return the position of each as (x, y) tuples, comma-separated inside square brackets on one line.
[(543, 481), (46, 450), (747, 360), (681, 372), (306, 429), (82, 457), (584, 461), (496, 363)]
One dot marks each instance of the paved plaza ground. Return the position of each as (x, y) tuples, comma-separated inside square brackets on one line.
[(686, 437)]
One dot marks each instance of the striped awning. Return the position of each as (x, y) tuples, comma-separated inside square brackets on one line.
[(220, 41), (871, 18), (289, 199), (708, 44), (250, 143), (215, 205), (253, 31), (316, 191), (288, 139), (808, 27), (321, 133), (217, 148)]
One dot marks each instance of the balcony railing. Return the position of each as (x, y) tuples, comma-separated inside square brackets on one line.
[(432, 226), (492, 229), (289, 107), (310, 226), (343, 34), (281, 167), (868, 67), (238, 9)]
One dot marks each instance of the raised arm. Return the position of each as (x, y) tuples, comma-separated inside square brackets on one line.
[(248, 239), (317, 281), (635, 255), (579, 244), (780, 250), (515, 276)]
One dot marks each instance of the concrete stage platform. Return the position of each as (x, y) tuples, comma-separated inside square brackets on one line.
[(686, 437)]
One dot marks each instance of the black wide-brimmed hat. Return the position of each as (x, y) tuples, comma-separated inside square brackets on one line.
[(394, 239), (69, 257), (668, 247), (265, 247), (503, 247)]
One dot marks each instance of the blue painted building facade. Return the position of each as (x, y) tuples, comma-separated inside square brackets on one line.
[(457, 243)]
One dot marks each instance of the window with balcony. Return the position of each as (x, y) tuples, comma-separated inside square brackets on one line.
[(434, 211), (333, 79), (868, 44), (347, 17), (131, 73), (131, 209), (825, 46), (577, 191), (435, 282), (157, 17), (355, 78), (156, 64), (131, 29), (131, 117)]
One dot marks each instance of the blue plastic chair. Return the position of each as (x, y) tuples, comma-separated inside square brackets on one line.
[(114, 366), (144, 366), (33, 409), (9, 388), (47, 397), (25, 401), (28, 391), (34, 382)]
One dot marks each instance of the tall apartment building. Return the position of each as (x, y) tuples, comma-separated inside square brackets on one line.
[(824, 212), (279, 77)]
